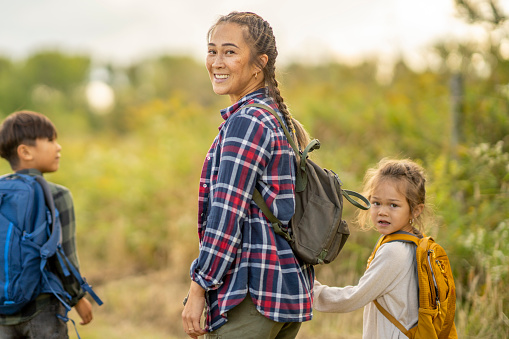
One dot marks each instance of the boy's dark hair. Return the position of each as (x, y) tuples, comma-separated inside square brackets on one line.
[(23, 127)]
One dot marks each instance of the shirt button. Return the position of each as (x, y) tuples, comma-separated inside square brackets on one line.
[(208, 158), (204, 185)]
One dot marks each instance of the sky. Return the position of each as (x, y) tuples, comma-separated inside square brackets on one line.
[(127, 31)]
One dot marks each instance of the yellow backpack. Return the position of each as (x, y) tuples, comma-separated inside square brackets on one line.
[(437, 292)]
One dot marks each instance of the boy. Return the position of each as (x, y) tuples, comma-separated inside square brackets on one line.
[(28, 143)]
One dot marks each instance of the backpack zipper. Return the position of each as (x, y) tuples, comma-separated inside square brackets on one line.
[(442, 268), (436, 295)]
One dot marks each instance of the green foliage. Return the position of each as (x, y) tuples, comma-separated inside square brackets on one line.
[(56, 70), (474, 190), (134, 172)]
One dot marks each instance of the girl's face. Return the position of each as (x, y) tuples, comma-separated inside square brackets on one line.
[(229, 63), (390, 211)]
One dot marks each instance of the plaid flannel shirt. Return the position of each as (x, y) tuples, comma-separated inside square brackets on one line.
[(239, 251), (64, 204)]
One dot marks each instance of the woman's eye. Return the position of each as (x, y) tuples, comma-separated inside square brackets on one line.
[(211, 51), (230, 52)]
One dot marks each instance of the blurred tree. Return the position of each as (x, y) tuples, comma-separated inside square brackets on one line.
[(56, 70), (12, 94), (486, 11), (167, 75), (482, 67)]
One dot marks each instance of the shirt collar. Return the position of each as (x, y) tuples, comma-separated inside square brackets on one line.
[(29, 171), (228, 111)]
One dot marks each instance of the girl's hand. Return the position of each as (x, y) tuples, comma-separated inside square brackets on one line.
[(193, 310)]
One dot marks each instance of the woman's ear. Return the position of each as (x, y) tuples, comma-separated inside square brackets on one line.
[(262, 62)]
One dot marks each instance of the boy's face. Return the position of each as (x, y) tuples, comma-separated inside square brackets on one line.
[(43, 156)]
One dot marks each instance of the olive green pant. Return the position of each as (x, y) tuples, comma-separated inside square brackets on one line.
[(245, 322)]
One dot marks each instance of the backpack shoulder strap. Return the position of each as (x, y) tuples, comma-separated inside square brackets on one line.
[(49, 248), (52, 246), (276, 224), (273, 112), (301, 175), (396, 236), (378, 244), (401, 236), (391, 318), (257, 196)]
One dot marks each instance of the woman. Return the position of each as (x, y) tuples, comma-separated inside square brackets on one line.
[(252, 283)]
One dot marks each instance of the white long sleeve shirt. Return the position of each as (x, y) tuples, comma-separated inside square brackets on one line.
[(391, 279)]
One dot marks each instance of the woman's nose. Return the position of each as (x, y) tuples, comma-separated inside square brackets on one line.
[(218, 60)]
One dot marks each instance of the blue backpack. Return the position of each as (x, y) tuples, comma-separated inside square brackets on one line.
[(30, 234)]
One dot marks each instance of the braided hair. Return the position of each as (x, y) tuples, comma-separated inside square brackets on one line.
[(261, 39), (411, 176)]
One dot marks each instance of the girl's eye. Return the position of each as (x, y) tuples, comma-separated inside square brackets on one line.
[(376, 203), (394, 205)]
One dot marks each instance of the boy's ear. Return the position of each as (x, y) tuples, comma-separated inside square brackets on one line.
[(24, 153)]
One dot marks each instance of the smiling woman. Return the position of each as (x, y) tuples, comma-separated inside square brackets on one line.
[(247, 275)]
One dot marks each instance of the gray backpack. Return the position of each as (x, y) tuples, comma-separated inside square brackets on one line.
[(316, 233)]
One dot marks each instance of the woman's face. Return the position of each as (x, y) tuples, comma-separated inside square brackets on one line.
[(229, 63)]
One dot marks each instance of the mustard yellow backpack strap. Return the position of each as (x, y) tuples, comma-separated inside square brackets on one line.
[(401, 236), (397, 236), (391, 318), (378, 244)]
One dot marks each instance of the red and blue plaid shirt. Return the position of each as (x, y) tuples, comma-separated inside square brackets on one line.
[(239, 251)]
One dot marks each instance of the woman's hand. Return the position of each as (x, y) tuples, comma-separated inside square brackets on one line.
[(193, 310)]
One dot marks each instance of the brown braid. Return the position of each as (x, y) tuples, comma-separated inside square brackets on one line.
[(262, 41)]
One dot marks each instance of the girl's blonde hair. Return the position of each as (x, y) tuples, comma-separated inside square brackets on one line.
[(409, 177)]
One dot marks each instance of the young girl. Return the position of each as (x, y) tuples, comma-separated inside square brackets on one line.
[(396, 190)]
